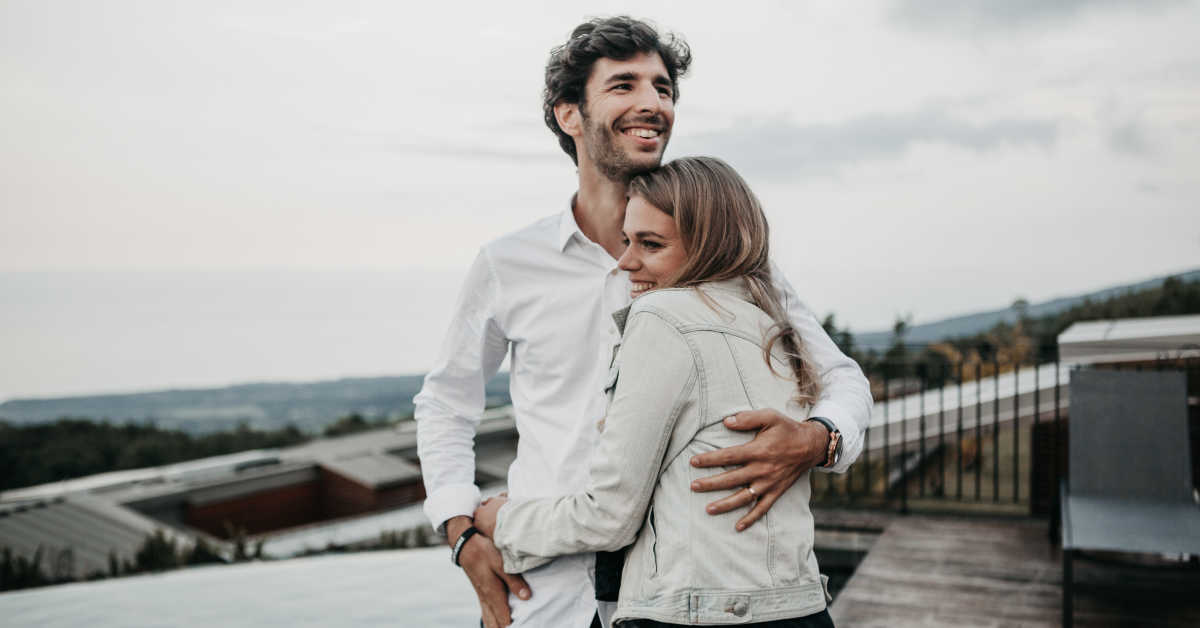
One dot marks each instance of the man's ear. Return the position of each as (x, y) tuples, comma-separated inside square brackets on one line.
[(569, 119)]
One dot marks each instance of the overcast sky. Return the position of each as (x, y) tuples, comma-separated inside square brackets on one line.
[(914, 156)]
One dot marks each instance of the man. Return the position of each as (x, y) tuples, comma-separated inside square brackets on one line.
[(544, 295)]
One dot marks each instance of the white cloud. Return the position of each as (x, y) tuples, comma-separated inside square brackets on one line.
[(783, 148)]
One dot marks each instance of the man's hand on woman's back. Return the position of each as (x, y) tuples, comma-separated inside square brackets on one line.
[(781, 452)]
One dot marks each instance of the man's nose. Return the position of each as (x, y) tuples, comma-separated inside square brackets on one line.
[(648, 100)]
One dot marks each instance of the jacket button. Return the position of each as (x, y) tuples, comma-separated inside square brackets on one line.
[(740, 608)]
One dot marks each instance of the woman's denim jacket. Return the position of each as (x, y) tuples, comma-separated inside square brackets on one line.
[(687, 361)]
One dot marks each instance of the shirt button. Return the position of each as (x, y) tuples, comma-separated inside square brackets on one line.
[(740, 607)]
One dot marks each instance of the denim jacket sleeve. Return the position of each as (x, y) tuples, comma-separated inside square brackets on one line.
[(656, 375)]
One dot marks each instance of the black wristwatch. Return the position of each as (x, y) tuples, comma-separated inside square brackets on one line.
[(462, 540), (835, 441)]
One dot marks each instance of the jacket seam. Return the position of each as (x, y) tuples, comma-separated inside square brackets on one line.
[(697, 360), (737, 365), (681, 397)]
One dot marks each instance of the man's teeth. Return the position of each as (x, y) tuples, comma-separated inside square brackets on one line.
[(646, 133), (640, 286)]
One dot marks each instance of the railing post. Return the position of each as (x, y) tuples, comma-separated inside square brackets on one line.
[(1016, 423), (979, 430), (887, 477), (959, 458), (942, 428), (903, 450), (1037, 419), (921, 373), (995, 430)]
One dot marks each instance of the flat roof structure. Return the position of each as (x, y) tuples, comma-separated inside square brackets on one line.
[(1131, 340), (86, 519), (76, 534)]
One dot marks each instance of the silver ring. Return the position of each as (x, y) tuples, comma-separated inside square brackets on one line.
[(752, 493)]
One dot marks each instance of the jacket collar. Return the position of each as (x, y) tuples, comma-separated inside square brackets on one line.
[(620, 316), (736, 286)]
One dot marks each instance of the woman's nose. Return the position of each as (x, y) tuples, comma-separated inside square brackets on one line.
[(627, 261)]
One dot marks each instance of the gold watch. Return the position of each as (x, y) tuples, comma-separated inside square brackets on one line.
[(835, 441)]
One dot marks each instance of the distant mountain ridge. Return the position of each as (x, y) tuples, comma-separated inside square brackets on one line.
[(971, 324), (309, 406)]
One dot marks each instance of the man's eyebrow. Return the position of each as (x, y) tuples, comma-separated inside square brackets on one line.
[(660, 79), (623, 76)]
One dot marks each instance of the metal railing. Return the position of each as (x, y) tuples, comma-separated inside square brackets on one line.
[(981, 432), (951, 432)]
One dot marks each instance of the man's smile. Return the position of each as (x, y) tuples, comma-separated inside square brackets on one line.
[(641, 132), (646, 132)]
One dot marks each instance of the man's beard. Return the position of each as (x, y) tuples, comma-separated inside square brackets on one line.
[(612, 162)]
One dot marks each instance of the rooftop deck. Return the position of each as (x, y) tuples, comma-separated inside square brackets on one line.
[(952, 571)]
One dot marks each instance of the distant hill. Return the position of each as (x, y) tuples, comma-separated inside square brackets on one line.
[(309, 406), (971, 324)]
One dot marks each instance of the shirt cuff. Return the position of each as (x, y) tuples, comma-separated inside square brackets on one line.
[(451, 501), (850, 431)]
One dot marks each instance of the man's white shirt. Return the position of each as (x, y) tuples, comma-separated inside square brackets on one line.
[(546, 294)]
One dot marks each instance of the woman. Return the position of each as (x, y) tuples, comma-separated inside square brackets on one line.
[(705, 338)]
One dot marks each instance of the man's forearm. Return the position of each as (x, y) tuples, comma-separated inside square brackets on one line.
[(446, 447), (454, 528)]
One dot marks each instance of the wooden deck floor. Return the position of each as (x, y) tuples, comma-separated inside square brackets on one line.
[(942, 571)]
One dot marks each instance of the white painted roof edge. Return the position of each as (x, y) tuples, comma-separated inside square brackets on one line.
[(1131, 328)]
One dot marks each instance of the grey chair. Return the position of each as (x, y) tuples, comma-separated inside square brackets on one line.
[(1129, 486)]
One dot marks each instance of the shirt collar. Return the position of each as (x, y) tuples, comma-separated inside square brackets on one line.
[(567, 226)]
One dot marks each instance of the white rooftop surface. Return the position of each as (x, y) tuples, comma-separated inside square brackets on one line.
[(192, 470), (1131, 339), (374, 470), (416, 588), (355, 530)]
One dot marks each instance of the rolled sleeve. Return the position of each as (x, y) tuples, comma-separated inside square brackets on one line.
[(451, 402)]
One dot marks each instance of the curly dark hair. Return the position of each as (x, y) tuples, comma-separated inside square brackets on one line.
[(617, 38)]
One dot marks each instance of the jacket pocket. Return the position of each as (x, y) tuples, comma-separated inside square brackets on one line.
[(610, 382), (652, 541)]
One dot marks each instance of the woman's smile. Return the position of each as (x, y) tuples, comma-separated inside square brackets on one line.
[(640, 287)]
